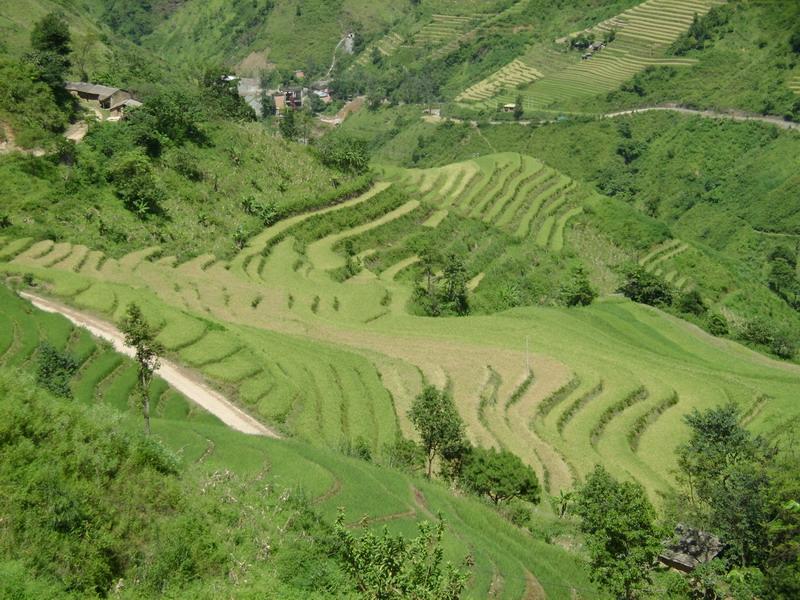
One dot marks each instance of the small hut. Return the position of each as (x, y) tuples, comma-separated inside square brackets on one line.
[(690, 548)]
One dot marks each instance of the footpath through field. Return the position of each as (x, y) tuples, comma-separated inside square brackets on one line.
[(178, 377)]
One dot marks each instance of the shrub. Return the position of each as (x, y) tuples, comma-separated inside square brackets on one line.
[(55, 369), (646, 288), (577, 291), (136, 184), (717, 324), (692, 302), (501, 476), (344, 152)]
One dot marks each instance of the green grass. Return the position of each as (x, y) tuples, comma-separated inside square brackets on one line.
[(366, 491)]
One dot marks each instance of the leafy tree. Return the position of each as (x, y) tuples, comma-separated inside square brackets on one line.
[(501, 476), (222, 96), (646, 288), (167, 118), (455, 293), (722, 468), (268, 108), (717, 324), (55, 369), (692, 302), (406, 455), (288, 125), (384, 567), (51, 34), (140, 336), (136, 184), (578, 291), (519, 108), (794, 41), (622, 536), (344, 152), (434, 415), (50, 43)]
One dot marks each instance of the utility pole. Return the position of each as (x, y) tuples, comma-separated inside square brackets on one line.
[(527, 355)]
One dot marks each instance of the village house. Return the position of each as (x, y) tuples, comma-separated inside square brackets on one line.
[(120, 108), (105, 96), (509, 108)]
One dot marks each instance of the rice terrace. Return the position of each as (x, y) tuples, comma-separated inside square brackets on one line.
[(503, 302)]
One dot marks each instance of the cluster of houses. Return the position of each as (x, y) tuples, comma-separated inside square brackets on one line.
[(115, 100), (592, 48)]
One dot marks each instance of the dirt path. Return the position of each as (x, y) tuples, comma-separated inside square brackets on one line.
[(179, 378), (77, 131)]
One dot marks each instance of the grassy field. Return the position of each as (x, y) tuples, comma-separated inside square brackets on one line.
[(506, 559), (274, 336)]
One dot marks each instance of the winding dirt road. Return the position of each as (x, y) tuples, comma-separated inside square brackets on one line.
[(179, 378)]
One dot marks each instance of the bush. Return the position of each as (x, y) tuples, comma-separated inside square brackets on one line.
[(135, 183), (55, 369), (692, 303), (765, 334), (344, 152), (717, 324), (646, 288), (577, 291)]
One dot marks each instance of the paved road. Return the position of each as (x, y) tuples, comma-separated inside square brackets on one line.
[(179, 378), (711, 114)]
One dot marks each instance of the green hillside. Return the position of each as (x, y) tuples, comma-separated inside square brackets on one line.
[(561, 325), (196, 463)]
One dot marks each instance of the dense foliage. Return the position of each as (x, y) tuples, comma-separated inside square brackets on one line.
[(622, 535)]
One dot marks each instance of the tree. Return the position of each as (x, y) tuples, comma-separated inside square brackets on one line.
[(519, 108), (384, 567), (50, 43), (622, 536), (644, 287), (455, 292), (51, 34), (717, 324), (141, 338), (54, 369), (794, 41), (287, 125), (501, 476), (222, 95), (436, 419), (578, 291), (692, 302), (168, 118), (722, 467), (268, 108), (135, 183)]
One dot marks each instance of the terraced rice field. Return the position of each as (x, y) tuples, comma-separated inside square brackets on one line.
[(657, 261), (387, 46), (444, 28), (512, 76), (794, 84), (643, 34), (503, 555), (513, 192), (332, 361), (103, 376)]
